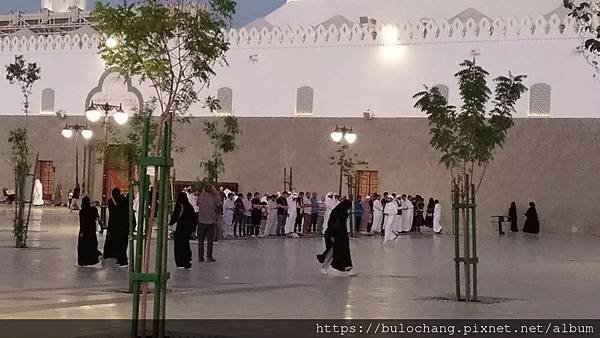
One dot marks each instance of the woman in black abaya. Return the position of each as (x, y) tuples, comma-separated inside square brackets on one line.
[(532, 223), (429, 214), (87, 243), (337, 243), (185, 217), (512, 215), (115, 245)]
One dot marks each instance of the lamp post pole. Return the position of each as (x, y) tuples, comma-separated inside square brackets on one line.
[(338, 135), (94, 114), (76, 158), (71, 130), (342, 159)]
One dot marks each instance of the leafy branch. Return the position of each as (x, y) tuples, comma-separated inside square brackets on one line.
[(222, 132), (347, 164), (467, 136), (587, 15)]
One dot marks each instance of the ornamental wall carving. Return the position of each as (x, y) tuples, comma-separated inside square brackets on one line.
[(426, 31)]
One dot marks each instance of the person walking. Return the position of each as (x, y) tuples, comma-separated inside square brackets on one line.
[(185, 217), (117, 236), (208, 203), (87, 243), (336, 259), (532, 222)]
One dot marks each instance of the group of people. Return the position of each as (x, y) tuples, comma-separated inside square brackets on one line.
[(398, 214), (296, 214), (189, 217), (116, 241), (532, 222)]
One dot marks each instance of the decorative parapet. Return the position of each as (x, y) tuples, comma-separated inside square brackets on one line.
[(50, 43), (424, 32)]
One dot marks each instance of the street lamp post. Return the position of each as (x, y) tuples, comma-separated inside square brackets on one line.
[(338, 135), (71, 130), (94, 113)]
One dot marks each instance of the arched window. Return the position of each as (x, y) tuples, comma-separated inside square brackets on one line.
[(539, 100), (444, 90), (225, 97), (304, 101), (47, 106)]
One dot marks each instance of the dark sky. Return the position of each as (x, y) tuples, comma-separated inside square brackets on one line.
[(247, 10)]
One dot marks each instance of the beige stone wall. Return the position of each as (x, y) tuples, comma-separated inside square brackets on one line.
[(553, 162)]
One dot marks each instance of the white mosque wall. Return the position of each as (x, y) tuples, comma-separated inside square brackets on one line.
[(348, 70)]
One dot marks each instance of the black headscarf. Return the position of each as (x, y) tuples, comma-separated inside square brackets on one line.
[(85, 202), (431, 203), (339, 214)]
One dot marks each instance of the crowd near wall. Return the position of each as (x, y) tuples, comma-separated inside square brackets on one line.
[(553, 162)]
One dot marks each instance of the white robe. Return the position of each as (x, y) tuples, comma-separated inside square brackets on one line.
[(397, 218), (437, 217), (38, 191), (228, 210), (377, 216), (271, 225), (391, 209), (330, 204), (407, 215), (291, 219)]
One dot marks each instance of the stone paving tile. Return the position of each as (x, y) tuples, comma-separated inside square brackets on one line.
[(543, 276)]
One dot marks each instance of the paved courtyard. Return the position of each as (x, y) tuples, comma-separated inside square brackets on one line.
[(536, 276)]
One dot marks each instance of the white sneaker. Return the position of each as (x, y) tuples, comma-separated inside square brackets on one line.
[(339, 273)]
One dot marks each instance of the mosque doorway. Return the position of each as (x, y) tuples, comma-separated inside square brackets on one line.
[(115, 171), (367, 182), (45, 171)]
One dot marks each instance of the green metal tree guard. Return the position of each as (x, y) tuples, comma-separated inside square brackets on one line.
[(132, 185), (160, 275), (463, 202)]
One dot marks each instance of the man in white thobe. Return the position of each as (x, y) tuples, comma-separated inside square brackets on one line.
[(228, 211), (407, 214), (377, 215), (330, 203), (390, 211), (291, 220), (437, 217), (397, 226)]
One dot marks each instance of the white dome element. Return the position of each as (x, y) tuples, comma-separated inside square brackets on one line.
[(337, 21), (259, 24)]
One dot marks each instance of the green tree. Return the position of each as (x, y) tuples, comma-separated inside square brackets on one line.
[(222, 132), (347, 164), (587, 14), (466, 138), (24, 75), (172, 46)]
